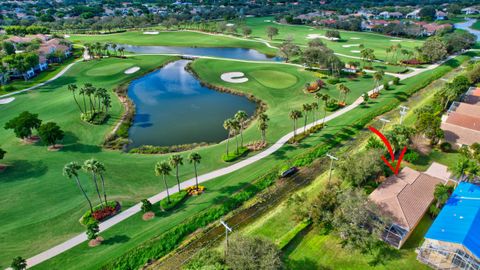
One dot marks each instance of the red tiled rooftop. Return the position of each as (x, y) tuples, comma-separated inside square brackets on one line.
[(463, 120)]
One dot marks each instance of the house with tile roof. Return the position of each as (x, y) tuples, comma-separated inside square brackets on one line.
[(405, 198), (461, 124), (453, 240)]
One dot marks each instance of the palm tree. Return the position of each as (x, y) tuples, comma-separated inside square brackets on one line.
[(306, 109), (460, 168), (318, 96), (175, 162), (325, 99), (114, 47), (377, 77), (73, 88), (163, 169), (99, 169), (195, 159), (227, 125), (70, 170), (90, 166), (472, 170), (235, 125), (241, 117), (388, 50), (441, 193), (294, 115), (121, 50), (262, 125), (344, 90), (314, 107)]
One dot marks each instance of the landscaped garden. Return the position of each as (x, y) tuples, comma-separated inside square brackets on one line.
[(35, 171)]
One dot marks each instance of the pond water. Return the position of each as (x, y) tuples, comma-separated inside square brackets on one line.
[(232, 53), (466, 26), (173, 108)]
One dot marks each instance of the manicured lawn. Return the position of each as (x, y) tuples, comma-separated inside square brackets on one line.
[(349, 40), (134, 231), (476, 25), (174, 38)]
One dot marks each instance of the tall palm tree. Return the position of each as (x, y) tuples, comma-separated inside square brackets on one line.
[(114, 47), (460, 168), (263, 126), (163, 169), (388, 50), (89, 166), (344, 90), (73, 88), (325, 99), (236, 129), (318, 96), (241, 117), (70, 170), (175, 162), (377, 77), (314, 107), (227, 125), (472, 171), (195, 159), (99, 169), (306, 110), (294, 115), (441, 193)]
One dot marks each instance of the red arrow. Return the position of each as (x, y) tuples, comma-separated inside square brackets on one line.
[(390, 150)]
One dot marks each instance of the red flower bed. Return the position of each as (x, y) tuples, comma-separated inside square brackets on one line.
[(413, 62), (104, 213)]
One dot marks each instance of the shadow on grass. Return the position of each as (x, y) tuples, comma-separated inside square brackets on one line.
[(23, 169), (117, 239)]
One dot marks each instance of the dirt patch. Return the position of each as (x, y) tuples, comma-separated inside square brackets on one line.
[(148, 216), (55, 147), (31, 140), (95, 242)]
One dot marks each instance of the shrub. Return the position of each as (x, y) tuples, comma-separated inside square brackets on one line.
[(446, 147), (386, 86), (333, 80), (92, 230), (411, 156), (299, 137), (175, 199), (192, 190), (396, 81), (234, 155), (411, 62), (146, 205)]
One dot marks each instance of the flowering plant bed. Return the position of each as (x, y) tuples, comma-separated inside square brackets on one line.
[(234, 155), (193, 191), (101, 212), (374, 95), (256, 145), (148, 215)]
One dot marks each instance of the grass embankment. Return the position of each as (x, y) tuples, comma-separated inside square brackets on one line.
[(476, 25), (134, 231)]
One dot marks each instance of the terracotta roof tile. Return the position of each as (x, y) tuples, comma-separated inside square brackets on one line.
[(464, 120)]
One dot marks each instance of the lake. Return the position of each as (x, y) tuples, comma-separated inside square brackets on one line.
[(231, 53), (173, 108)]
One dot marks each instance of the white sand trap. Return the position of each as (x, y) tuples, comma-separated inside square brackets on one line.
[(350, 45), (267, 20), (314, 36), (230, 24), (151, 33), (132, 70), (6, 100), (355, 51), (66, 36), (354, 38), (234, 77), (395, 40)]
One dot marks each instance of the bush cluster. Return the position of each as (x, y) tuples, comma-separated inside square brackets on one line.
[(175, 199)]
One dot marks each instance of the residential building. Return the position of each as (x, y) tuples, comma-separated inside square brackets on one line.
[(453, 240), (470, 11), (414, 15), (405, 198), (440, 15)]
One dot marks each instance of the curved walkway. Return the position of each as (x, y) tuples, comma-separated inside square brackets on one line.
[(50, 253)]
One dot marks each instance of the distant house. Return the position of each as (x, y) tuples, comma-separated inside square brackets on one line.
[(453, 240), (470, 11), (414, 15), (431, 28), (396, 15), (390, 15), (405, 198), (440, 15), (461, 124)]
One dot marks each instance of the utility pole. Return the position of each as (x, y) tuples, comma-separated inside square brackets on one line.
[(385, 121), (227, 230), (332, 158), (403, 112)]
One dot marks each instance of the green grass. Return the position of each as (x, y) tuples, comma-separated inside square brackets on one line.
[(476, 25), (174, 38), (134, 231)]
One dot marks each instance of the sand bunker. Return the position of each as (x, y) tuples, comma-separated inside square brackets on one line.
[(314, 36), (234, 77), (395, 40), (350, 45), (267, 20), (132, 70), (355, 51), (230, 24), (6, 100), (66, 36), (354, 38), (151, 33)]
